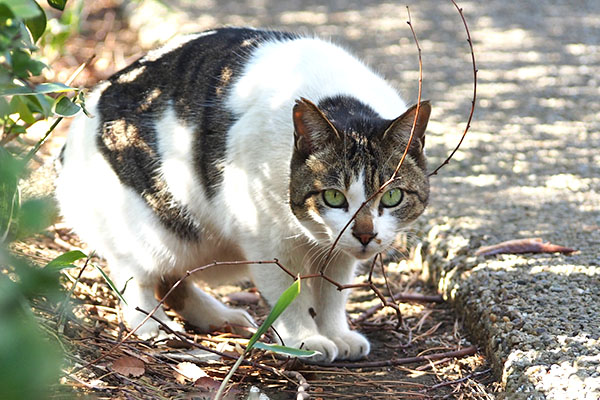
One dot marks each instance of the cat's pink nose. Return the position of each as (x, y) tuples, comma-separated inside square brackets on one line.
[(364, 237)]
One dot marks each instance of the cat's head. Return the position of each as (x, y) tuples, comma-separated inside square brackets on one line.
[(343, 152)]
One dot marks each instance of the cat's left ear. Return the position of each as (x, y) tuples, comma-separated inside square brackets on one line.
[(312, 128), (400, 128)]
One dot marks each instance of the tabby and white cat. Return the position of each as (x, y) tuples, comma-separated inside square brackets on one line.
[(242, 144)]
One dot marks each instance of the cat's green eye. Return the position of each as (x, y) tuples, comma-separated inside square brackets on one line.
[(334, 198), (391, 198)]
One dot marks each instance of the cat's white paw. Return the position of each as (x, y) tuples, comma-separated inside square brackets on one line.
[(351, 345), (151, 329), (327, 349), (217, 317), (239, 320)]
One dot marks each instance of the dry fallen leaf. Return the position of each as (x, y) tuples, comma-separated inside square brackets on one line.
[(207, 383), (519, 246), (129, 366), (210, 387), (188, 371)]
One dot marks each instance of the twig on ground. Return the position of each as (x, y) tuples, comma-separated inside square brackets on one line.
[(293, 376), (205, 348), (404, 297), (520, 246), (163, 299), (467, 351), (454, 382)]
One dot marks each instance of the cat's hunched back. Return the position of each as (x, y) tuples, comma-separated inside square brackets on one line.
[(242, 144)]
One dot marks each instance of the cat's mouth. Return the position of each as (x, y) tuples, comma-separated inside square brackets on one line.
[(364, 253)]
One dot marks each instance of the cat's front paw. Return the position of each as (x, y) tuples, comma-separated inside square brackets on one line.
[(239, 320), (151, 329), (326, 349), (351, 345)]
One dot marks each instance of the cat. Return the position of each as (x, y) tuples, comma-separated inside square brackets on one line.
[(243, 144)]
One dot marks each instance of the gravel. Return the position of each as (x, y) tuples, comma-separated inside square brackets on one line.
[(530, 168)]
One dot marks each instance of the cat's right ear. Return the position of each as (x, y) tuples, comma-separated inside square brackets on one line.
[(400, 128), (312, 128)]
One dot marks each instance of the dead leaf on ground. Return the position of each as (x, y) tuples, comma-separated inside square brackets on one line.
[(519, 246), (188, 371), (129, 366), (207, 383), (209, 387)]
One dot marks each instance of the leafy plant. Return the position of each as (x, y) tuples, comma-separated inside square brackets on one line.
[(30, 357), (283, 302), (24, 102), (66, 260)]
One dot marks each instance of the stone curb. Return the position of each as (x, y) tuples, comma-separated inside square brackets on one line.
[(536, 316)]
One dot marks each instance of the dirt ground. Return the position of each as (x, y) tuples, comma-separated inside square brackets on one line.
[(428, 328)]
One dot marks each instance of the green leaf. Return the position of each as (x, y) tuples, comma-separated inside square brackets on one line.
[(12, 89), (37, 25), (31, 360), (40, 103), (53, 87), (35, 215), (17, 129), (22, 109), (289, 351), (66, 260), (111, 284), (6, 13), (4, 108), (65, 107), (80, 101), (58, 4), (284, 300), (23, 9), (24, 66), (10, 199)]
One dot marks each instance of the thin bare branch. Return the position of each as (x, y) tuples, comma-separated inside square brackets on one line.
[(395, 174), (414, 125), (206, 348), (464, 378), (470, 41)]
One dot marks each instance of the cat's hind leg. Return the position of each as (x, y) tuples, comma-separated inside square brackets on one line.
[(138, 291), (202, 310)]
